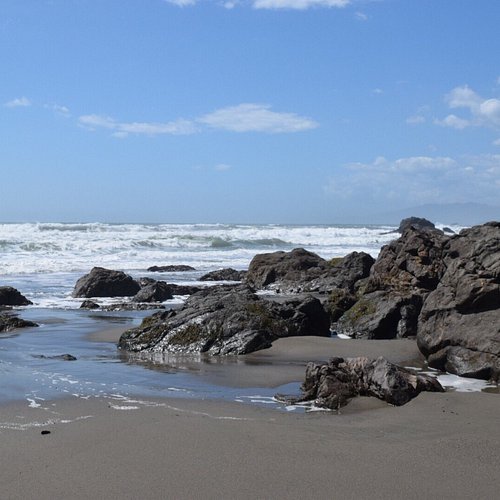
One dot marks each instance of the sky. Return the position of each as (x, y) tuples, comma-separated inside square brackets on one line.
[(249, 111)]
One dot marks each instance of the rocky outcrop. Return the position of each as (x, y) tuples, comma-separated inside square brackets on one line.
[(389, 302), (333, 384), (9, 296), (304, 271), (102, 282), (89, 304), (9, 322), (226, 274), (178, 268), (226, 320), (459, 325)]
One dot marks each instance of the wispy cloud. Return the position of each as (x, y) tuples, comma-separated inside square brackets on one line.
[(181, 3), (415, 119), (123, 129), (361, 16), (481, 112), (240, 118), (256, 118), (222, 167), (58, 109), (19, 102), (298, 4), (419, 179)]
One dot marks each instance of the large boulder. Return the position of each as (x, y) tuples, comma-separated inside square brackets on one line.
[(416, 223), (459, 325), (9, 296), (304, 271), (333, 384), (102, 282), (226, 320), (158, 291)]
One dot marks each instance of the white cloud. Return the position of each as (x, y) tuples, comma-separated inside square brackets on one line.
[(418, 180), (415, 119), (241, 118), (19, 102), (361, 16), (182, 3), (298, 4), (123, 129), (57, 108), (453, 121), (256, 118), (377, 91), (482, 112), (496, 142)]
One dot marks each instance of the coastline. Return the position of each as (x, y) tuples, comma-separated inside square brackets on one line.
[(444, 445)]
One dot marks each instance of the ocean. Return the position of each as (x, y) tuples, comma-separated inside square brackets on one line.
[(44, 260)]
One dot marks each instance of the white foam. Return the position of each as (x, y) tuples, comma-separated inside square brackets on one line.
[(463, 384)]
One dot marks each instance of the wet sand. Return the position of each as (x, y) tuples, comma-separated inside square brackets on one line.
[(438, 446)]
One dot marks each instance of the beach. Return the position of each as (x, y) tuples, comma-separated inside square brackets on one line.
[(445, 445)]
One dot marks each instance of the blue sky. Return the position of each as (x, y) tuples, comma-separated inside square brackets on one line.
[(294, 111)]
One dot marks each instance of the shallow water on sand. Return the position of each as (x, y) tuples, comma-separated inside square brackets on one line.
[(29, 372)]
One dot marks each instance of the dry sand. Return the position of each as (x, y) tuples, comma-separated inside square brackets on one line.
[(439, 445)]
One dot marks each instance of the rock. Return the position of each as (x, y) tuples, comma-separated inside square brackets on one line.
[(299, 270), (158, 291), (9, 322), (178, 268), (227, 274), (448, 230), (333, 384), (416, 223), (226, 320), (339, 301), (184, 289), (405, 272), (102, 282), (297, 266), (459, 325), (61, 357), (9, 296), (89, 304)]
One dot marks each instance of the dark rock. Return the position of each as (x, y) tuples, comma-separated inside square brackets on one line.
[(416, 223), (9, 296), (9, 322), (45, 433), (333, 384), (61, 357), (133, 306), (339, 301), (296, 266), (102, 282), (448, 230), (227, 274), (226, 320), (459, 325), (158, 291), (184, 289), (390, 300), (299, 270), (89, 304), (179, 268)]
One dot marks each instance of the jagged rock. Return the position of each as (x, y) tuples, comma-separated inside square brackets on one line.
[(89, 304), (333, 384), (61, 357), (159, 291), (9, 322), (448, 230), (226, 320), (405, 272), (178, 268), (459, 325), (9, 296), (184, 289), (102, 282), (415, 222), (300, 270), (227, 274), (339, 301)]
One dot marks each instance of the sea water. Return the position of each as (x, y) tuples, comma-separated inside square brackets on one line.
[(43, 261)]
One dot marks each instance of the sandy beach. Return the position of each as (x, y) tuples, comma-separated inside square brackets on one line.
[(442, 445)]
